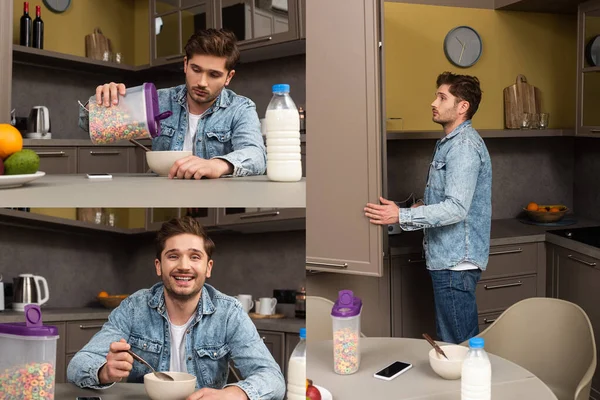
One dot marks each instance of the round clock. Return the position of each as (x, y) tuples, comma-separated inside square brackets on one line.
[(463, 46), (592, 51), (57, 6)]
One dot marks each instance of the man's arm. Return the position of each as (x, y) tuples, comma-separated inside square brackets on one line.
[(462, 170), (84, 367), (263, 377), (249, 156)]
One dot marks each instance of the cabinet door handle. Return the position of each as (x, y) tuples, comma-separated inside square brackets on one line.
[(419, 260), (589, 264), (105, 153), (488, 321), (258, 215), (252, 41), (496, 253), (51, 153), (503, 286), (263, 338), (328, 265), (595, 130), (90, 326), (173, 58)]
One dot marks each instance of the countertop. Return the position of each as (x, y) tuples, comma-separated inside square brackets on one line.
[(504, 232), (150, 190), (50, 315)]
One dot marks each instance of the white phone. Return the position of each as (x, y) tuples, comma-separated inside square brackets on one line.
[(393, 370), (99, 176)]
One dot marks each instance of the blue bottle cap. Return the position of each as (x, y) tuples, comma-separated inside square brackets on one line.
[(281, 87), (476, 342), (302, 333)]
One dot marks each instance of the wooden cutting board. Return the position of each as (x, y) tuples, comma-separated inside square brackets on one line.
[(518, 99)]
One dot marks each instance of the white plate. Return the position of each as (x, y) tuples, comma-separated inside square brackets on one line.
[(325, 394), (12, 181)]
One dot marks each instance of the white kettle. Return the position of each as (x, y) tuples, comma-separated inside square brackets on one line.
[(38, 123), (27, 290)]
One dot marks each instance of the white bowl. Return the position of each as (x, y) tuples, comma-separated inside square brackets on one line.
[(452, 368), (179, 389), (162, 161)]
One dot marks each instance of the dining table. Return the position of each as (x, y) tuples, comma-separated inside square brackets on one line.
[(509, 380), (119, 391)]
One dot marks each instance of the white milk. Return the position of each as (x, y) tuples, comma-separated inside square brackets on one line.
[(296, 386), (283, 124), (476, 379), (282, 120)]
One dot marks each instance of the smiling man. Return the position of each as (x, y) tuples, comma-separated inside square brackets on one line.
[(456, 210), (221, 128), (181, 324)]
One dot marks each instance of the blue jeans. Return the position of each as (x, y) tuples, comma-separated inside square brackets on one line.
[(455, 306)]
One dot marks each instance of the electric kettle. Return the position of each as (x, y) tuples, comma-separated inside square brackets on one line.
[(38, 123), (27, 290)]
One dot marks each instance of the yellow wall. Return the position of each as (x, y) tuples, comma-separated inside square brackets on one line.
[(65, 32), (130, 218), (67, 213), (540, 46)]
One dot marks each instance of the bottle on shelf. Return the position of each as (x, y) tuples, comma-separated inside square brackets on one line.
[(38, 29), (26, 28)]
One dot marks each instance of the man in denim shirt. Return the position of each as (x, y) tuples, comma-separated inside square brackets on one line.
[(221, 128), (456, 211), (181, 324)]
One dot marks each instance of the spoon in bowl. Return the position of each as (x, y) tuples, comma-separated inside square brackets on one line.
[(138, 144), (435, 346), (160, 375)]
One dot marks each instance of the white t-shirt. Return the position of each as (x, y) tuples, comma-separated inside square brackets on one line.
[(463, 266), (190, 136), (178, 345)]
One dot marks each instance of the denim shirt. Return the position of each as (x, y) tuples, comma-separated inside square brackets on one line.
[(220, 332), (230, 130), (457, 213)]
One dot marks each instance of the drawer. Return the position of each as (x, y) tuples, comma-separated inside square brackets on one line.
[(485, 320), (57, 160), (104, 159), (79, 333), (498, 294), (511, 260)]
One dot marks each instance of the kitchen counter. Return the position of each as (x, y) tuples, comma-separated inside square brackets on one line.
[(149, 190), (49, 315), (503, 232)]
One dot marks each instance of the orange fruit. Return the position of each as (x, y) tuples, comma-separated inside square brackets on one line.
[(11, 140), (543, 209), (103, 294), (532, 206), (554, 209)]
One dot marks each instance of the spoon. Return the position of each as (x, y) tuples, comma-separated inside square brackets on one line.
[(138, 144), (160, 375), (435, 346)]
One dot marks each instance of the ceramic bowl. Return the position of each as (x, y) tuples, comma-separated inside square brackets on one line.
[(162, 161), (179, 389), (547, 216), (451, 368), (112, 301)]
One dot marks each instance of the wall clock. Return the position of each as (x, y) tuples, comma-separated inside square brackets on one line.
[(463, 46), (57, 6), (592, 51)]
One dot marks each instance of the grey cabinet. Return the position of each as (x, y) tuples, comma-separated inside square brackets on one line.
[(6, 58), (73, 336), (275, 343), (346, 146), (156, 216), (291, 340), (106, 160), (57, 160), (588, 74), (61, 361), (234, 216)]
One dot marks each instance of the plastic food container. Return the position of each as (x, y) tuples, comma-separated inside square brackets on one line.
[(346, 333), (28, 362)]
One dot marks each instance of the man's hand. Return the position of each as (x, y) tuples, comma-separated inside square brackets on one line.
[(229, 393), (193, 167), (385, 214), (118, 363), (109, 93)]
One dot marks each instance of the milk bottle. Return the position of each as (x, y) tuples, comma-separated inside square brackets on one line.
[(476, 379), (282, 122), (296, 386)]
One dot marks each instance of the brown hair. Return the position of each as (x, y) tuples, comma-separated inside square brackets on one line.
[(179, 226), (463, 87), (214, 42)]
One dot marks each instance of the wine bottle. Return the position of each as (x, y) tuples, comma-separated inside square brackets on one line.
[(25, 38), (38, 29)]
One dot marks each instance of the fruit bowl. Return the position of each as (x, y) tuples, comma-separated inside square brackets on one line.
[(112, 301), (547, 216)]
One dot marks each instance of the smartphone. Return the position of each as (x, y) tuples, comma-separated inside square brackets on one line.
[(88, 398), (393, 370), (99, 176)]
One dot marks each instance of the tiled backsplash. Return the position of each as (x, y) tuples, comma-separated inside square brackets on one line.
[(78, 266)]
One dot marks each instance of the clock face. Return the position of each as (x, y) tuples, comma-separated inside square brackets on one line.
[(592, 51), (463, 46), (57, 6)]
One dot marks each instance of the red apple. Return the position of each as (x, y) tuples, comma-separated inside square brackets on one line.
[(313, 393)]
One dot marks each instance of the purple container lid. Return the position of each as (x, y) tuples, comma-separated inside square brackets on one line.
[(153, 114), (32, 326), (346, 305)]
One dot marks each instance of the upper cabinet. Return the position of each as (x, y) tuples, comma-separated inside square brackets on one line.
[(588, 69), (346, 147)]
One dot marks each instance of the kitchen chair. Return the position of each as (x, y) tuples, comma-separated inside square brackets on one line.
[(318, 318), (551, 338)]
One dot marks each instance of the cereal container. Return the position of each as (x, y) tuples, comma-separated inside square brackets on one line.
[(28, 362), (346, 333), (135, 117)]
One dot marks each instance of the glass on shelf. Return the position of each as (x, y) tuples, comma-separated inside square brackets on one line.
[(526, 121), (544, 118)]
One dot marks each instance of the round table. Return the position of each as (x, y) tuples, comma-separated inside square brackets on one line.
[(509, 381), (119, 391)]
